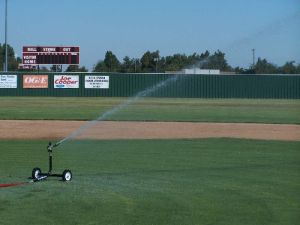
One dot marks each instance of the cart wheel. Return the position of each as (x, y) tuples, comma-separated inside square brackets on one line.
[(67, 175), (36, 173)]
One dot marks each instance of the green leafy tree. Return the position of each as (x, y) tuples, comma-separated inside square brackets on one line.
[(175, 63), (149, 62), (76, 68), (298, 69), (218, 61), (56, 68), (288, 68), (262, 66), (100, 67), (111, 62), (178, 62), (1, 57), (12, 60), (130, 65), (43, 69), (239, 70)]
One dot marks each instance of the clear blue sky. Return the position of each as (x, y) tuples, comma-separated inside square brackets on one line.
[(131, 27)]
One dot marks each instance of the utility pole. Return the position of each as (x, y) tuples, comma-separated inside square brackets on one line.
[(156, 62), (253, 57), (5, 65)]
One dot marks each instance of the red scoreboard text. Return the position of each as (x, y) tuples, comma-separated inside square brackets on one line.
[(35, 55)]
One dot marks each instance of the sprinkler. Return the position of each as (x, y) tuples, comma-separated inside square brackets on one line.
[(37, 174)]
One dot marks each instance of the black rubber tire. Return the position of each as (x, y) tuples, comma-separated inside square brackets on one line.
[(67, 175), (35, 173)]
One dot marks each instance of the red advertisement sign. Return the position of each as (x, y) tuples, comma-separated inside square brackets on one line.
[(35, 81)]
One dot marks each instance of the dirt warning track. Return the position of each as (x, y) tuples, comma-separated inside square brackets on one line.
[(56, 130)]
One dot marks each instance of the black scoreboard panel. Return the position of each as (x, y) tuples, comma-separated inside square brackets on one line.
[(35, 55), (57, 59)]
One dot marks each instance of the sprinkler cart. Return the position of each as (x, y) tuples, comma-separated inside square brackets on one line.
[(37, 174)]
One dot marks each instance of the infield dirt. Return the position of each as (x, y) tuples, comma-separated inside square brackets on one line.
[(56, 130)]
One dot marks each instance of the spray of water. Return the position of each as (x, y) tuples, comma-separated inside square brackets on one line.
[(266, 30), (199, 64), (275, 27), (118, 108)]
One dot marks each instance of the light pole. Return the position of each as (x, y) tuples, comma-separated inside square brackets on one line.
[(253, 57), (135, 65), (156, 62), (5, 65)]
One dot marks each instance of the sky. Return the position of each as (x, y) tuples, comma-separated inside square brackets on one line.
[(132, 27)]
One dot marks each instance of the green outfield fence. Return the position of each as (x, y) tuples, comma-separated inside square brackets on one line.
[(186, 86)]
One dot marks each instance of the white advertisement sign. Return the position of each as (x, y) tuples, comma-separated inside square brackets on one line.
[(66, 81), (97, 82), (8, 81)]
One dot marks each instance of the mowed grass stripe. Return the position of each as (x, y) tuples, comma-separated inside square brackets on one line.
[(153, 109), (207, 181)]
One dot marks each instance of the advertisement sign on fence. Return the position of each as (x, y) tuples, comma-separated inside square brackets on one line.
[(97, 82), (8, 81), (66, 81), (35, 81)]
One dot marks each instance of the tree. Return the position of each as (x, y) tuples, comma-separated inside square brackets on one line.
[(109, 64), (205, 55), (149, 62), (1, 58), (288, 68), (12, 61), (100, 67), (130, 65), (127, 65), (262, 66), (43, 69), (218, 61), (175, 63), (76, 68), (56, 68), (152, 62), (298, 69), (239, 70)]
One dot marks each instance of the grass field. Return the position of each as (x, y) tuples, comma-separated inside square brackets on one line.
[(153, 109), (209, 181), (172, 182)]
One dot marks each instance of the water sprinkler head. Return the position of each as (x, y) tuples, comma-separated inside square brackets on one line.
[(51, 146)]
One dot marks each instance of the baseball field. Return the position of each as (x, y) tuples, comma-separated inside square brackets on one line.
[(157, 161)]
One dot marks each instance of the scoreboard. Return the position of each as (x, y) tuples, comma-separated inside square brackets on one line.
[(35, 55)]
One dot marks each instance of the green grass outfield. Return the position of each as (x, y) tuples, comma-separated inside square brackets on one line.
[(172, 182), (176, 182), (153, 109)]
